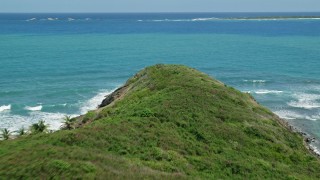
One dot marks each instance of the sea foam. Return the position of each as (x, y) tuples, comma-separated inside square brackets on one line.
[(313, 117), (5, 108), (305, 101), (268, 92), (232, 19), (52, 19), (35, 108), (94, 102), (32, 19), (184, 20), (204, 19), (290, 115), (255, 81), (57, 19), (271, 19), (14, 122)]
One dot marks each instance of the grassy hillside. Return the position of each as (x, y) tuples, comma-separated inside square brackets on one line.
[(168, 121)]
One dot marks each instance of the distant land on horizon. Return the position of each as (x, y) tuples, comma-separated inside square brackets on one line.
[(173, 12)]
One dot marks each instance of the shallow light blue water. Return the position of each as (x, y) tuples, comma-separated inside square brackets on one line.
[(56, 64)]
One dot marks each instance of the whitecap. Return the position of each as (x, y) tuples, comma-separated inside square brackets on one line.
[(313, 118), (55, 120), (310, 18), (290, 115), (52, 19), (169, 20), (304, 104), (71, 19), (315, 149), (180, 20), (273, 18), (160, 20), (14, 122), (233, 19), (35, 108), (5, 108), (305, 101), (253, 19), (32, 19), (184, 20), (95, 101), (268, 92), (255, 81), (204, 19), (57, 105)]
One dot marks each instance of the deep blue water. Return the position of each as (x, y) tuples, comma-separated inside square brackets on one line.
[(56, 64)]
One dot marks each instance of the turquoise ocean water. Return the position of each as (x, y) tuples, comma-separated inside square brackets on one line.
[(57, 64)]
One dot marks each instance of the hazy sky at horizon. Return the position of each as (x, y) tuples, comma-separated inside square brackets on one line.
[(159, 5)]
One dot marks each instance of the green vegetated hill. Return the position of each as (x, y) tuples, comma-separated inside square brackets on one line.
[(168, 121)]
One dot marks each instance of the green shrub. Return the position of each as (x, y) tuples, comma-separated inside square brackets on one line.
[(91, 115), (60, 165)]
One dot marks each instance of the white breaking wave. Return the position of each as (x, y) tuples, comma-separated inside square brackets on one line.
[(52, 19), (180, 20), (255, 81), (15, 122), (32, 19), (268, 92), (315, 149), (305, 101), (54, 120), (57, 19), (290, 115), (162, 20), (205, 19), (35, 108), (94, 102), (231, 19), (5, 108), (271, 19), (304, 104), (313, 117), (57, 105)]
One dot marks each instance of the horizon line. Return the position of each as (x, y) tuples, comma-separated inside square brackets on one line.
[(157, 12)]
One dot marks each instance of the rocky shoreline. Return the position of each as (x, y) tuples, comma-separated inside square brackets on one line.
[(308, 143), (307, 138)]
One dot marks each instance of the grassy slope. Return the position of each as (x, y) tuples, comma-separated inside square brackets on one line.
[(173, 122)]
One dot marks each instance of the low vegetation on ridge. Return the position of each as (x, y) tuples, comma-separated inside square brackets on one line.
[(168, 121)]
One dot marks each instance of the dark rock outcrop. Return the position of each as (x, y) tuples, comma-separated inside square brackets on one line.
[(113, 96)]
